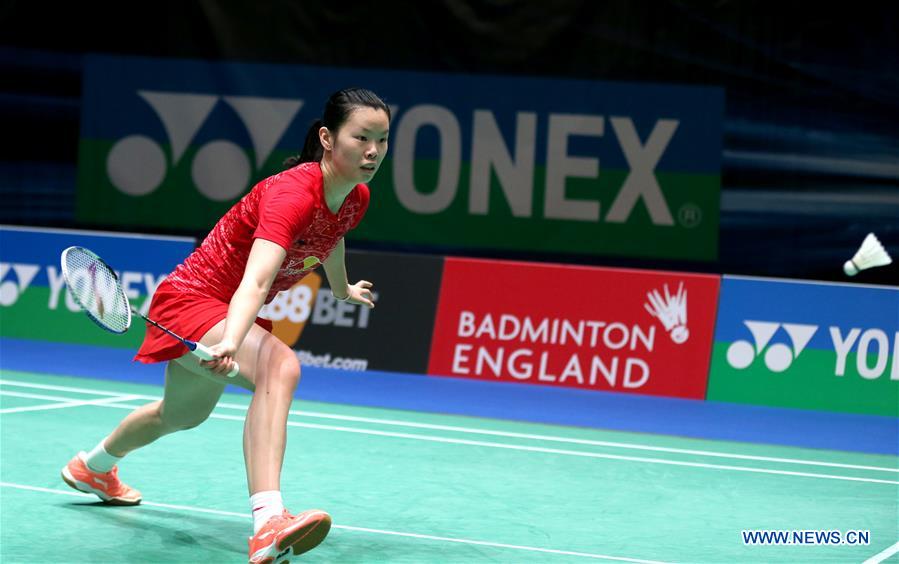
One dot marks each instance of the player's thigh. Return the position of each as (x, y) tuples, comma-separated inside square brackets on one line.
[(189, 397), (260, 355)]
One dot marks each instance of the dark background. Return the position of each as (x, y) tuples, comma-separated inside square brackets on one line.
[(392, 321), (810, 161)]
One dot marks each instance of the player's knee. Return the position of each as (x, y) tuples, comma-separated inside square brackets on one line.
[(283, 369), (289, 367), (172, 422), (185, 423), (190, 423)]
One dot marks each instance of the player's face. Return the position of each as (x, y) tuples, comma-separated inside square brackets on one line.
[(361, 144)]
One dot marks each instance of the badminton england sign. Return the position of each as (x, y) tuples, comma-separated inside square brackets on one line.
[(602, 329), (477, 162), (34, 301), (809, 345)]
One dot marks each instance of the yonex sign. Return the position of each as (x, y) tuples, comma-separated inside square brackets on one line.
[(868, 344), (548, 165), (811, 345), (34, 301), (13, 286), (778, 357), (221, 169)]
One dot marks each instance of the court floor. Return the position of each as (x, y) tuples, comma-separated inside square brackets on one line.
[(406, 486)]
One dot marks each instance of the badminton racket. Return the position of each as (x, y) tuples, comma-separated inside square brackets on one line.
[(96, 288)]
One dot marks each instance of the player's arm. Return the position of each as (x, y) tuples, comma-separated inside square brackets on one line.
[(335, 270), (263, 263)]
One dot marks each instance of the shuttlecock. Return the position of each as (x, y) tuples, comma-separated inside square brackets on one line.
[(869, 255)]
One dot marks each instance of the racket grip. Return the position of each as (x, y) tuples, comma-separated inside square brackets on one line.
[(203, 352)]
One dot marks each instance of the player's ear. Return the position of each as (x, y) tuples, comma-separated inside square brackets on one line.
[(324, 135)]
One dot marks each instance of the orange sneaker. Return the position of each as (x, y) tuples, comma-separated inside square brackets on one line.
[(283, 533), (106, 485)]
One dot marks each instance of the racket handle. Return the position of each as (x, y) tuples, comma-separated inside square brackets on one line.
[(203, 352)]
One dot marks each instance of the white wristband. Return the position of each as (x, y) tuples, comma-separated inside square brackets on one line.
[(342, 299)]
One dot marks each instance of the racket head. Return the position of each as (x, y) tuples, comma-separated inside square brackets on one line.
[(96, 288)]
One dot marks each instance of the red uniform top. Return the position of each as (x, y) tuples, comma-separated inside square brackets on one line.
[(289, 209)]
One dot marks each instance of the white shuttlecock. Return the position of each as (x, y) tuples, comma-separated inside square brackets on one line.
[(869, 255)]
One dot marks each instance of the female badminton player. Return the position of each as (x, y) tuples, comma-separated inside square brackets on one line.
[(279, 232)]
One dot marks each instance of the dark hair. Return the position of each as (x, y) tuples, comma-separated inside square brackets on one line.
[(337, 109)]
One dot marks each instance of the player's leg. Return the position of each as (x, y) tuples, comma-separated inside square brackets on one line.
[(187, 401), (271, 370)]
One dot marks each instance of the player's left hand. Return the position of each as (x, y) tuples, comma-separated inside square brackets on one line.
[(361, 294)]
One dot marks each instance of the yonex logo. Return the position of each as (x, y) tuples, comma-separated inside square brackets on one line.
[(778, 357), (221, 170), (10, 290), (671, 310)]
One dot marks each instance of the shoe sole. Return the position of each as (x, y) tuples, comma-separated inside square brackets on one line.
[(306, 537), (69, 479)]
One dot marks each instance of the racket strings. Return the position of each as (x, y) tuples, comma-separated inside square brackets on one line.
[(97, 290)]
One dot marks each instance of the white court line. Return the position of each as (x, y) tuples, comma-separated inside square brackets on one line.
[(883, 555), (66, 404), (34, 396), (448, 440), (497, 433), (62, 388), (355, 529), (577, 441)]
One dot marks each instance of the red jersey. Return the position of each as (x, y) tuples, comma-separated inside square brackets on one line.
[(288, 209)]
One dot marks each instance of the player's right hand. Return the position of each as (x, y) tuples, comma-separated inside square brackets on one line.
[(223, 357)]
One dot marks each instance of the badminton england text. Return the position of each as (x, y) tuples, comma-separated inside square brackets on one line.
[(811, 538), (631, 371)]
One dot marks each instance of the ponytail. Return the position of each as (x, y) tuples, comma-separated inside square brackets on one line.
[(337, 109), (312, 147)]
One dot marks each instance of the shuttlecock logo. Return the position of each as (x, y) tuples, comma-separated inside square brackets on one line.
[(671, 310), (779, 356)]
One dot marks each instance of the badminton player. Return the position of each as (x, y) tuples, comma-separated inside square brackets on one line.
[(280, 231)]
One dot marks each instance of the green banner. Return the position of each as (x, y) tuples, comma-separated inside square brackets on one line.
[(505, 163), (810, 345), (691, 201), (810, 383)]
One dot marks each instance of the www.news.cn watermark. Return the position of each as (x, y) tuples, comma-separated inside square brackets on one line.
[(807, 537)]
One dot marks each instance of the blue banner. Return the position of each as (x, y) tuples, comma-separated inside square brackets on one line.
[(34, 301), (805, 344)]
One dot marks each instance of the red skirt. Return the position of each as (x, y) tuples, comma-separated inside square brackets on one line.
[(187, 315)]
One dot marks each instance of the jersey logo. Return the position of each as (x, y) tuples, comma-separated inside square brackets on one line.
[(307, 263)]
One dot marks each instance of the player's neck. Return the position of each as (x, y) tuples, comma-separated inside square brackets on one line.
[(335, 187)]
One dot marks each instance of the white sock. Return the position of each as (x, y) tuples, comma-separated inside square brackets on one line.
[(99, 460), (265, 505)]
